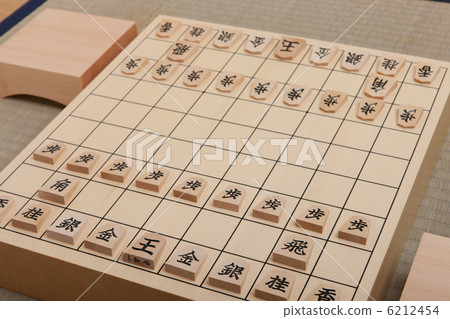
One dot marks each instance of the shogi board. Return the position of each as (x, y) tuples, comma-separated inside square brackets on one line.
[(375, 170)]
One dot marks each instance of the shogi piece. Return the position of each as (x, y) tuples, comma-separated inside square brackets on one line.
[(332, 100), (32, 217), (288, 48), (167, 27), (194, 76), (270, 208), (49, 153), (197, 33), (186, 261), (226, 38), (117, 171), (6, 202), (313, 218), (58, 53), (379, 87), (294, 251), (190, 189), (275, 285), (408, 116), (369, 109), (182, 51), (229, 274), (355, 229), (324, 292), (164, 69), (322, 55), (296, 94), (146, 251), (59, 189), (256, 44), (354, 60), (390, 65), (68, 228), (262, 89), (134, 64), (228, 81), (230, 198), (83, 162), (426, 72), (106, 238), (153, 180)]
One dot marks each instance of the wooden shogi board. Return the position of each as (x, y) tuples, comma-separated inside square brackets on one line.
[(376, 170)]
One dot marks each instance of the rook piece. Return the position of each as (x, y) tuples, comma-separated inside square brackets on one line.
[(262, 89), (426, 72), (68, 228), (194, 76), (256, 44), (332, 100), (6, 202), (355, 229), (228, 81), (379, 87), (186, 261), (324, 292), (182, 51), (229, 274), (389, 65), (322, 55), (369, 109), (354, 60), (106, 238), (197, 33), (146, 251), (230, 198), (270, 208), (191, 189), (408, 116), (117, 171), (49, 153), (294, 251), (296, 94), (276, 285), (288, 48), (167, 27), (58, 189), (83, 163), (32, 217), (134, 64), (226, 38), (164, 69), (314, 218), (153, 180)]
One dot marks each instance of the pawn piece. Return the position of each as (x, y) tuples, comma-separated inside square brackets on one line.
[(230, 198), (408, 116), (83, 163), (197, 33), (354, 60), (186, 261), (164, 69), (256, 44), (426, 72), (59, 189), (49, 153), (262, 89), (153, 180), (32, 217), (332, 100), (324, 292), (229, 274), (145, 251), (270, 208), (182, 51), (389, 65), (106, 238), (228, 81), (294, 251), (288, 48), (379, 87), (191, 189), (355, 229), (226, 38), (275, 285), (314, 218), (68, 228), (194, 76), (167, 27), (132, 65), (369, 109), (322, 55), (117, 171), (6, 202), (296, 94)]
